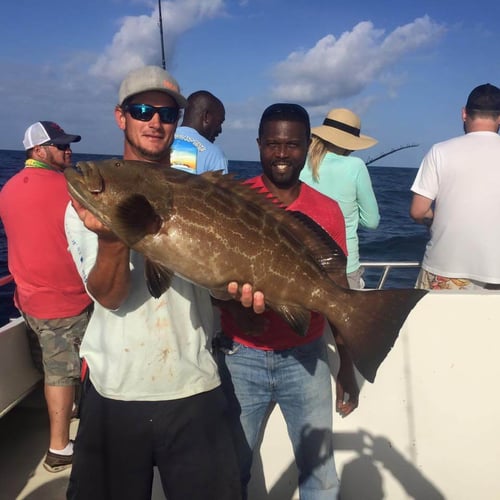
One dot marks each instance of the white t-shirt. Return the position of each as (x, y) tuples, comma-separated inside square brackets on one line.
[(462, 175), (149, 349)]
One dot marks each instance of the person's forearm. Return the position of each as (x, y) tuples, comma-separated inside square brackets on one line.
[(425, 219), (421, 210), (109, 279)]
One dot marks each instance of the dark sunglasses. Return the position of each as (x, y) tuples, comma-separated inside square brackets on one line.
[(60, 147), (144, 112)]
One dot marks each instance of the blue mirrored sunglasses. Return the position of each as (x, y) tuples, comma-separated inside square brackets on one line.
[(144, 112)]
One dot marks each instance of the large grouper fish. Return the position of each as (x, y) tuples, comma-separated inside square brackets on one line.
[(212, 229)]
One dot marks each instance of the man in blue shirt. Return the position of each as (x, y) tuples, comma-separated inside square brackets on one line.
[(193, 150)]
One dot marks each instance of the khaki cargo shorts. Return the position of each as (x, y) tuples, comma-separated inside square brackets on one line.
[(430, 281), (60, 341)]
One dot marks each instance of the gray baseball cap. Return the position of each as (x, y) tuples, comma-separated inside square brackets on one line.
[(150, 78)]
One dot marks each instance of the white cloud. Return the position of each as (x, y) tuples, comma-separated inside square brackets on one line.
[(343, 67), (137, 41), (94, 79)]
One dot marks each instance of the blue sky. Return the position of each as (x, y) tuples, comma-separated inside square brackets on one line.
[(406, 67)]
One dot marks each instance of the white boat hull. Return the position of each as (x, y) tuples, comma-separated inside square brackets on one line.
[(428, 427), (18, 375)]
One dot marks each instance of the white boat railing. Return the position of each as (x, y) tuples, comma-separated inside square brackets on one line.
[(387, 267)]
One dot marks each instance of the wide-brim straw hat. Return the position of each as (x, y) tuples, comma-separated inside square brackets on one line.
[(342, 128)]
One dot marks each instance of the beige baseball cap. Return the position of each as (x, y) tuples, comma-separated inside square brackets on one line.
[(150, 78)]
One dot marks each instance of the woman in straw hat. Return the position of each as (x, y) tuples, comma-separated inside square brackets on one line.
[(344, 178)]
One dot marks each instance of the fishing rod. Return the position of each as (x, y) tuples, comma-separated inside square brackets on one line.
[(6, 279), (373, 160), (160, 22)]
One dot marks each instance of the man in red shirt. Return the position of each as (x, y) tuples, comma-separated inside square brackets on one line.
[(49, 291), (261, 359)]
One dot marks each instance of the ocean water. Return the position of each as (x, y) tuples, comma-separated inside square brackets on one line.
[(397, 238)]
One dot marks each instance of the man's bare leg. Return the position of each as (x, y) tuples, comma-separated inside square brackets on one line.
[(60, 405)]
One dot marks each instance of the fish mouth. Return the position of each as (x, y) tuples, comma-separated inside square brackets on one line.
[(84, 185), (84, 177), (82, 180), (77, 186), (74, 180)]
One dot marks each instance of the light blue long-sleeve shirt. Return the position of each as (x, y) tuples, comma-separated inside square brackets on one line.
[(346, 180)]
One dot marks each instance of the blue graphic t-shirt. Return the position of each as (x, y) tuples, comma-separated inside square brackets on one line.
[(193, 153)]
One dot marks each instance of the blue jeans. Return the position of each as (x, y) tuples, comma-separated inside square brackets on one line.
[(298, 380)]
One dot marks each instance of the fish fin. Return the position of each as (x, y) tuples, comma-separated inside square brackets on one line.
[(136, 218), (371, 324), (297, 317), (324, 249), (158, 278), (321, 247), (249, 194), (214, 175)]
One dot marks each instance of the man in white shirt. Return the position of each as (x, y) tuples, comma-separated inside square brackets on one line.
[(152, 396), (456, 194)]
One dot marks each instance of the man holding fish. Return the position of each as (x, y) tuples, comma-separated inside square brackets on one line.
[(149, 359), (262, 360), (153, 393)]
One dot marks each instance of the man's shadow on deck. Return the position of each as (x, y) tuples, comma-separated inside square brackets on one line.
[(361, 477)]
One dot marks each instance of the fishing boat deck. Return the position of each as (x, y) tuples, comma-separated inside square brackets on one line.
[(24, 430), (24, 434), (427, 427)]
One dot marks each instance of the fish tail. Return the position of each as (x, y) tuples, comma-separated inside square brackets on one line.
[(371, 325)]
